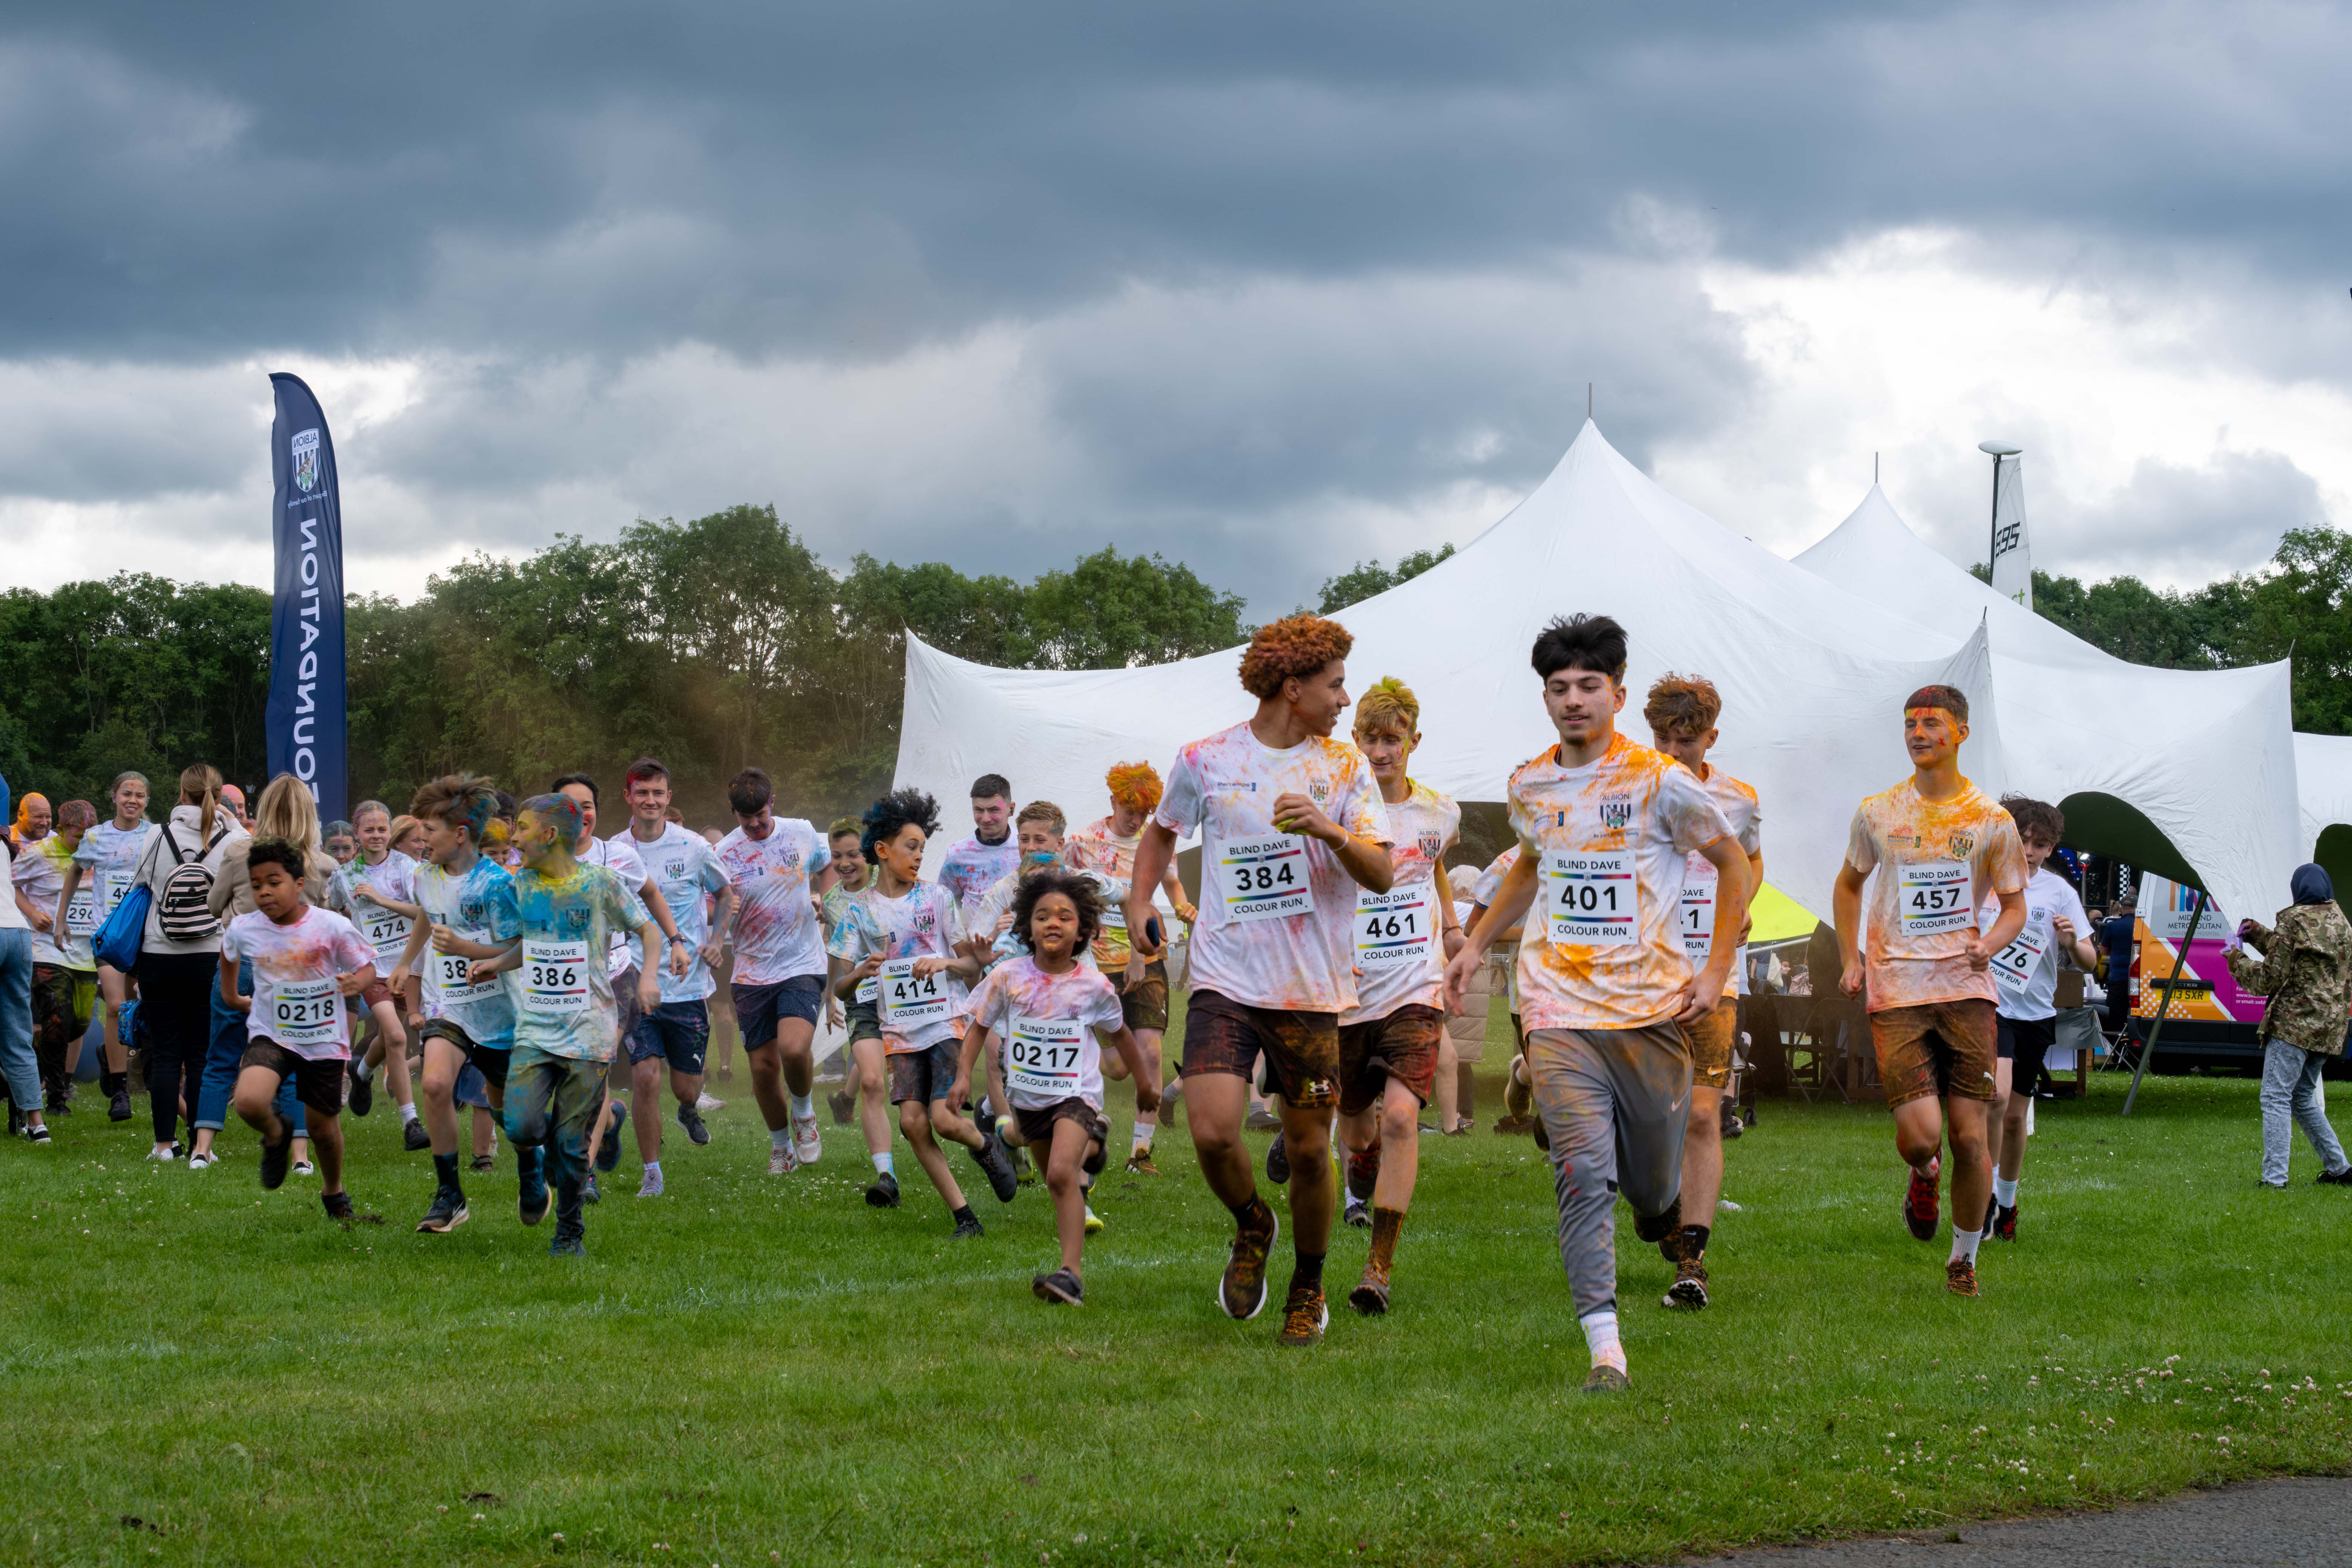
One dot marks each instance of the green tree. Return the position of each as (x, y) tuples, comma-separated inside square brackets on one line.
[(1370, 578)]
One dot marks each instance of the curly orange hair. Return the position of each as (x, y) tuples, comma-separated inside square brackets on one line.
[(1134, 786), (1682, 705), (1293, 645)]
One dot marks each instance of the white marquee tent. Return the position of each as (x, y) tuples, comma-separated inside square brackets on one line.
[(2203, 759), (1812, 678)]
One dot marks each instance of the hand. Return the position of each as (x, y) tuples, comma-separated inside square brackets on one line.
[(832, 1017), (349, 984), (680, 961), (868, 968), (1187, 914), (709, 953), (2245, 930), (929, 965), (1459, 968), (478, 971), (960, 1091), (362, 891), (1979, 951), (1134, 965), (1146, 1099), (1003, 924), (415, 1022), (1706, 993), (1454, 941), (1294, 813), (399, 980), (649, 992), (42, 919), (2063, 930), (1850, 978), (444, 938)]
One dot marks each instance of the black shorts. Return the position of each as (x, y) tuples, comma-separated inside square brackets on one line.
[(490, 1061), (318, 1084), (2022, 1043), (865, 1022), (1301, 1049), (1036, 1125), (760, 1008)]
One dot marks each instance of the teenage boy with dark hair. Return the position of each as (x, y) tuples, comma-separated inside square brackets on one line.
[(305, 962), (976, 864), (681, 864), (1291, 825), (1606, 828), (1941, 849), (779, 868)]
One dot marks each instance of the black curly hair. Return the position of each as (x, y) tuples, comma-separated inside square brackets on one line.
[(1080, 889), (886, 817)]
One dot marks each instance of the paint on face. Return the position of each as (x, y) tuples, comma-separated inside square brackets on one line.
[(1932, 735), (991, 815), (1583, 704), (1388, 750), (1320, 698)]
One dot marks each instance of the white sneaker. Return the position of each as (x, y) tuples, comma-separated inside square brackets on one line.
[(780, 1161), (1093, 1221), (304, 1168), (204, 1162), (808, 1143), (167, 1154), (707, 1104), (651, 1188)]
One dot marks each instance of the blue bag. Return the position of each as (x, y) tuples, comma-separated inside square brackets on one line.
[(119, 940)]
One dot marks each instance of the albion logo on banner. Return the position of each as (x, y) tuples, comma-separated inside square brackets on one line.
[(305, 451), (305, 718)]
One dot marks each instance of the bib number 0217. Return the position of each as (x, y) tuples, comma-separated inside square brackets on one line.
[(1044, 1059)]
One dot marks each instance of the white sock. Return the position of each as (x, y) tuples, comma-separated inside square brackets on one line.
[(1964, 1244), (804, 1104), (653, 1169), (408, 1113), (779, 1138), (882, 1165), (360, 1068), (2004, 1192), (1600, 1337), (1144, 1131)]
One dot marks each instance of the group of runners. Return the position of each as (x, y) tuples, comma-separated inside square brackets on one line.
[(560, 980)]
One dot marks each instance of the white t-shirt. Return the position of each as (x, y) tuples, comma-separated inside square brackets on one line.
[(109, 857), (11, 917), (296, 1002), (1740, 808), (617, 856), (395, 878), (1046, 1028), (776, 934), (1599, 949), (2025, 973), (683, 868), (39, 874), (1277, 911), (1399, 957), (926, 921), (971, 868)]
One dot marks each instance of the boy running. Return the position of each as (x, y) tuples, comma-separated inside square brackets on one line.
[(1388, 1040), (305, 962), (376, 891), (779, 868), (1682, 711), (1040, 1018), (1606, 828), (850, 876), (1941, 849), (1106, 849), (1291, 825), (905, 984), (467, 904), (682, 867), (2025, 980)]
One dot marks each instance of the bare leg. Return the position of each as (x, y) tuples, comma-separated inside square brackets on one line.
[(1214, 1105), (1306, 1133), (113, 990), (1972, 1173), (644, 1107), (1448, 1086), (873, 1077), (1399, 1123), (442, 1063), (1703, 1155), (916, 1125), (1065, 1177), (392, 1044), (327, 1131)]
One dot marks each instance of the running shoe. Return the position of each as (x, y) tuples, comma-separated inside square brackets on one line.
[(1732, 1126), (2004, 1222), (1030, 1172), (304, 1168), (362, 1100), (839, 1102), (1305, 1315), (1241, 1291), (996, 1164), (1360, 1213), (1519, 1099), (1364, 1170), (414, 1137), (1139, 1164), (967, 1229), (1261, 1120), (780, 1161), (651, 1185), (1689, 1288), (1461, 1126), (884, 1193), (1922, 1208), (203, 1160), (690, 1118), (1277, 1160), (486, 1162), (1657, 1227), (273, 1163), (1370, 1296), (1960, 1277), (571, 1240), (2342, 1178), (590, 1192), (337, 1205), (166, 1155), (1061, 1288), (1093, 1221), (448, 1212), (1605, 1378), (708, 1103), (39, 1133), (608, 1148), (533, 1196), (808, 1141), (119, 1108), (1513, 1126)]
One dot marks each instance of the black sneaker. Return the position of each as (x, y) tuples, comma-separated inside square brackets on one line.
[(119, 1108), (839, 1102), (1277, 1160), (691, 1120), (534, 1196), (590, 1192), (2004, 1222), (996, 1164), (414, 1137), (362, 1095), (2342, 1178), (448, 1212), (1689, 1288), (338, 1204), (967, 1229), (276, 1159), (1061, 1288), (608, 1148), (571, 1240), (1732, 1126), (39, 1132), (1654, 1228), (884, 1193)]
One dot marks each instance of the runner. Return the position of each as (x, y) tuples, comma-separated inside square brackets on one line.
[(1106, 849), (852, 875), (65, 976), (1292, 824), (1389, 1041), (2025, 980), (467, 905), (906, 983), (1519, 1099), (976, 864), (109, 854), (1682, 711), (341, 842), (377, 892), (1941, 849), (1051, 1013), (305, 961), (567, 1022), (990, 936), (778, 867), (408, 838), (1606, 827), (677, 1031)]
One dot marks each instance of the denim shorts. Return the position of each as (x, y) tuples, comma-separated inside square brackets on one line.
[(678, 1032)]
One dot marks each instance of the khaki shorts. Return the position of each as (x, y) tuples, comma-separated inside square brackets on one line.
[(1144, 1004), (1711, 1039), (1936, 1048)]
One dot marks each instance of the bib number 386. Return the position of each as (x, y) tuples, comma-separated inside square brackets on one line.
[(555, 976)]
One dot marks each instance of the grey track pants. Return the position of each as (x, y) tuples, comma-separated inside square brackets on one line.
[(1614, 1103)]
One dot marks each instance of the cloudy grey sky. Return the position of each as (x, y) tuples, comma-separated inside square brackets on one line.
[(1266, 289)]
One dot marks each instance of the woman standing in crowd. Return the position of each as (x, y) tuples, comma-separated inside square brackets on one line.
[(179, 958), (109, 852), (65, 976)]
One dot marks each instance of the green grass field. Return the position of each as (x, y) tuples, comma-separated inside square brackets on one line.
[(753, 1371)]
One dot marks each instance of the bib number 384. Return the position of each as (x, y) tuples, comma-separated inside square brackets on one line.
[(1934, 897), (1263, 878), (1589, 900), (910, 1002), (555, 976), (1041, 1058)]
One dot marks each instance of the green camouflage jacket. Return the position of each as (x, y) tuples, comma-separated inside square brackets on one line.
[(2307, 975)]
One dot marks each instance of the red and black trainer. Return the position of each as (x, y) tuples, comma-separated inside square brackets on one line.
[(1922, 1206), (2004, 1223), (1960, 1277)]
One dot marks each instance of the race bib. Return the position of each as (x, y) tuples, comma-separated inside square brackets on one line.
[(385, 931), (1591, 900), (555, 976), (1934, 897), (1114, 892), (1262, 879), (305, 1013), (1042, 1056), (869, 988), (1696, 917), (1395, 927), (81, 914), (910, 1004), (448, 972), (109, 887), (2014, 966)]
